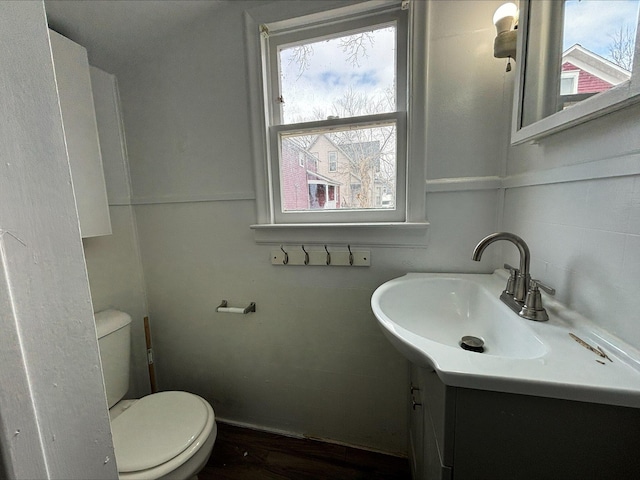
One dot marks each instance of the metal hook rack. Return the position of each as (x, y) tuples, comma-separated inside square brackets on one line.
[(319, 255)]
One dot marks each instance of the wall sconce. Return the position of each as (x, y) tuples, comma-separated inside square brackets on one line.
[(506, 21)]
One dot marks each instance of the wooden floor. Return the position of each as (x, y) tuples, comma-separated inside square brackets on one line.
[(244, 454)]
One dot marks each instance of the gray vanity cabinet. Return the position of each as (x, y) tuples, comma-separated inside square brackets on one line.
[(477, 434)]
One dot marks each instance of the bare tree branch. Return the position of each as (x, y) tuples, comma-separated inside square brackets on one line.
[(355, 46), (622, 47), (301, 55)]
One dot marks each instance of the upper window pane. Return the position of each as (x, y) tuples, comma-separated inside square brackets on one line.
[(346, 76)]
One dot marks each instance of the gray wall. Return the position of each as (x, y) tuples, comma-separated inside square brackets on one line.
[(312, 359)]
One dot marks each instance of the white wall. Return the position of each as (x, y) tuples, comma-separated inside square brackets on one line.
[(312, 360), (575, 197), (113, 261), (53, 421), (115, 276)]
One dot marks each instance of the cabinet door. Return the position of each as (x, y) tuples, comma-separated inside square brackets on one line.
[(111, 134), (81, 134), (416, 427)]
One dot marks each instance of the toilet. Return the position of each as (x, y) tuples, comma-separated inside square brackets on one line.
[(165, 435)]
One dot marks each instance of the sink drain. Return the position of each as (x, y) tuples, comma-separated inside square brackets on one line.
[(473, 344)]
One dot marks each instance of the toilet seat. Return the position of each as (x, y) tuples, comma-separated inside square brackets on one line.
[(160, 432)]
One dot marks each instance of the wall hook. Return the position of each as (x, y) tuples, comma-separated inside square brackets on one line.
[(286, 256), (328, 255), (350, 255), (306, 256)]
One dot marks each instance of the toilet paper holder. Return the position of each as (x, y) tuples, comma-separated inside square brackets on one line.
[(225, 308)]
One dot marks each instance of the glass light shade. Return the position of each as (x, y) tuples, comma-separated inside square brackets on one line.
[(505, 10), (505, 17)]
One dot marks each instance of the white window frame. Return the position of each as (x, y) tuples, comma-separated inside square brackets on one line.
[(573, 75), (332, 161), (411, 157)]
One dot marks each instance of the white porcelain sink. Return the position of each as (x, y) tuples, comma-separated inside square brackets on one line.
[(445, 309), (426, 315)]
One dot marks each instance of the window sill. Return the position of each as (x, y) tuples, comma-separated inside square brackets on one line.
[(388, 234)]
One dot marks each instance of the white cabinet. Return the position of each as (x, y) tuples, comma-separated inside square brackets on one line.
[(81, 135), (112, 139)]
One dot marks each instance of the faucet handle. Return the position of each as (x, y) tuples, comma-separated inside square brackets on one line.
[(511, 283), (537, 283), (532, 308)]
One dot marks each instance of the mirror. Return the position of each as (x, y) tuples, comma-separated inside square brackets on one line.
[(578, 59)]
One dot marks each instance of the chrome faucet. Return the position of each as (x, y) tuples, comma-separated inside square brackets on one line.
[(522, 294)]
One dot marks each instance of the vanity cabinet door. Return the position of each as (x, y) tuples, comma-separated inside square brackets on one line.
[(81, 134), (433, 467), (439, 408), (416, 427), (431, 429)]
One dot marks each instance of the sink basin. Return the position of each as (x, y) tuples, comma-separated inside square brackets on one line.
[(445, 309), (425, 316)]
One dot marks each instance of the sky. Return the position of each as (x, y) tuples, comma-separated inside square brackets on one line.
[(592, 22), (330, 73)]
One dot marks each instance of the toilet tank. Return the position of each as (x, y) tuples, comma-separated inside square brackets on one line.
[(114, 340)]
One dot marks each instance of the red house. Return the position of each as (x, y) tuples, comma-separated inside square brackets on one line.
[(585, 73)]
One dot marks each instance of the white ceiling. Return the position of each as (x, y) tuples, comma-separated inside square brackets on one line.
[(117, 32)]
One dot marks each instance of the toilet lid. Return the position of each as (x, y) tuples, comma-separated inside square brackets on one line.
[(156, 429)]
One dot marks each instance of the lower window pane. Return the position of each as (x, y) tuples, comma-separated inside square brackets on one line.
[(350, 169)]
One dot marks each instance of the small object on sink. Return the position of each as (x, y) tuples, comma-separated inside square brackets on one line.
[(604, 355), (473, 344), (598, 351)]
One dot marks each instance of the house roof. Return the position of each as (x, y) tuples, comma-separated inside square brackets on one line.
[(365, 149), (351, 150), (595, 64)]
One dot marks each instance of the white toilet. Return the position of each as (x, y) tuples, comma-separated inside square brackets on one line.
[(165, 435)]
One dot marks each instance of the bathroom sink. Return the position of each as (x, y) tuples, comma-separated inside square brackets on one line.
[(446, 309), (426, 315)]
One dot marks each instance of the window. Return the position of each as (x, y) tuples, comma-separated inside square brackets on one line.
[(574, 53), (569, 82), (333, 162), (375, 147), (332, 93)]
